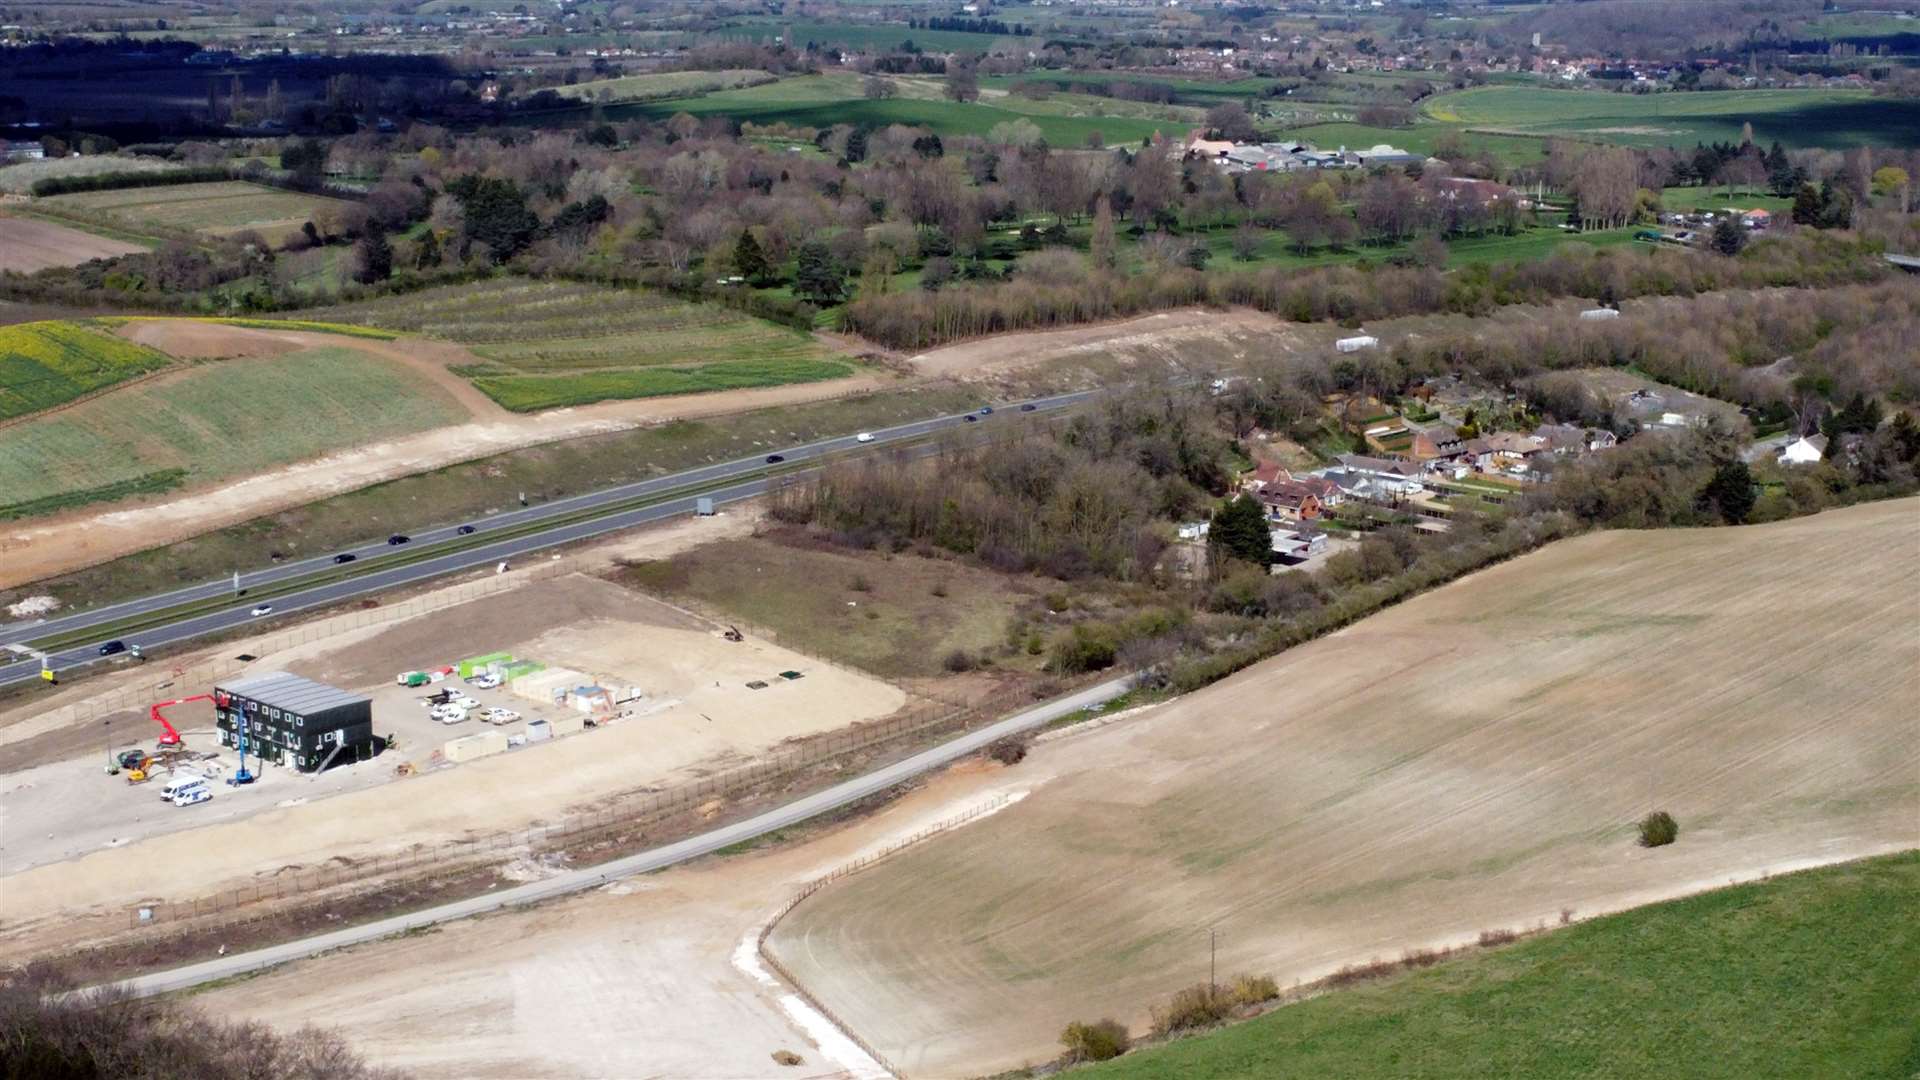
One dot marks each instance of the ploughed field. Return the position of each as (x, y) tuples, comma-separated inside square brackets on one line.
[(551, 344), (1472, 759), (1837, 119)]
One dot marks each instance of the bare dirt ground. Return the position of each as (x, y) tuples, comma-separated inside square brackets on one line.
[(1165, 334), (48, 546), (1472, 759), (697, 714), (28, 246), (643, 978)]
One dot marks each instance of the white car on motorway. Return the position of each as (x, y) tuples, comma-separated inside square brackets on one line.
[(263, 609), (865, 436)]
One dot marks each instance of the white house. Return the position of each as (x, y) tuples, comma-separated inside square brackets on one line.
[(1806, 450)]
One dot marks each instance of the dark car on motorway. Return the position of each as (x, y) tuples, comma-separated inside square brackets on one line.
[(1028, 407), (345, 557), (112, 647), (465, 530), (986, 410), (399, 538), (775, 459), (972, 419)]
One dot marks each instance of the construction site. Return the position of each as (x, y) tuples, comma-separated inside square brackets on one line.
[(558, 696)]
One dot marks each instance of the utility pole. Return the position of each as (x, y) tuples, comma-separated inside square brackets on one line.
[(1213, 966)]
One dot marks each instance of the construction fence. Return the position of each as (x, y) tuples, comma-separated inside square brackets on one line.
[(620, 824)]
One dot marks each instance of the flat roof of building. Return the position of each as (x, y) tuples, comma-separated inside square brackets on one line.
[(284, 690)]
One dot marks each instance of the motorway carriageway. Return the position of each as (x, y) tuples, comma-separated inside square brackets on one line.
[(76, 647)]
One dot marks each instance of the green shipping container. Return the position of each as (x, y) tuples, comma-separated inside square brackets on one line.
[(416, 678), (522, 667), (468, 667)]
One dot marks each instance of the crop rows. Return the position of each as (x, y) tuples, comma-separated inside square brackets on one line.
[(524, 393), (43, 364)]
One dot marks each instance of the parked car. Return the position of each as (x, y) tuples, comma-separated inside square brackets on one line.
[(112, 647), (486, 682), (775, 459), (345, 557), (465, 702), (865, 436), (263, 609), (465, 530), (399, 538)]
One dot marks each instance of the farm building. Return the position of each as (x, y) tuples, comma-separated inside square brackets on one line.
[(295, 722)]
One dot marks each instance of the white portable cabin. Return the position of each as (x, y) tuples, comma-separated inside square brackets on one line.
[(1355, 344), (1598, 314)]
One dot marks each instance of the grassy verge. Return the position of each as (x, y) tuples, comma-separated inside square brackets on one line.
[(532, 393), (1815, 974), (476, 488), (264, 324)]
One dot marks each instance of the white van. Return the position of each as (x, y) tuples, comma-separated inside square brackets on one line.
[(193, 795), (183, 783)]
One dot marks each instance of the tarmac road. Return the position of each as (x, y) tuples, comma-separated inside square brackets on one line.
[(467, 558), (593, 876)]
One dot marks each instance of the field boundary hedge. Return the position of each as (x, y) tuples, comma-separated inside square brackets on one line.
[(153, 483)]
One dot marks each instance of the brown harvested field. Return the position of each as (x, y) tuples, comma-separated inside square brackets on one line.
[(1188, 339), (1471, 759), (28, 246)]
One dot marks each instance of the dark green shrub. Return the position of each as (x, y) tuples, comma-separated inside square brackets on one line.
[(1085, 647), (1658, 829), (1101, 1040)]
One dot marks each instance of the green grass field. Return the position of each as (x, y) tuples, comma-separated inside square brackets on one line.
[(821, 101), (219, 420), (867, 35), (663, 84), (1814, 974), (549, 344), (43, 364), (219, 208), (1797, 118)]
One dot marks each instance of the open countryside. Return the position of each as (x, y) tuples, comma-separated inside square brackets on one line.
[(1471, 760), (221, 420), (914, 539), (46, 364), (1662, 983), (213, 209), (1793, 117), (640, 344)]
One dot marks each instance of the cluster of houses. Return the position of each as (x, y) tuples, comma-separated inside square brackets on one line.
[(1432, 453), (1294, 156)]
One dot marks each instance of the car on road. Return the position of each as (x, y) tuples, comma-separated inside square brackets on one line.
[(986, 410), (112, 647), (465, 530), (775, 459), (1028, 407), (865, 436), (972, 419), (399, 538), (344, 557), (263, 609)]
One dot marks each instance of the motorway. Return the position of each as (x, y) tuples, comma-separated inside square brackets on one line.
[(644, 862), (750, 476)]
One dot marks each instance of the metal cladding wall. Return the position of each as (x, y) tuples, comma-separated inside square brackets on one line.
[(293, 721)]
